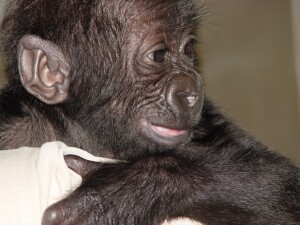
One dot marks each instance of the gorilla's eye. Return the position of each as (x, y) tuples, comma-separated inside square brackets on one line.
[(160, 55), (189, 48)]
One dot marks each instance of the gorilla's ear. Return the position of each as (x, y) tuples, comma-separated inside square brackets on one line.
[(43, 69)]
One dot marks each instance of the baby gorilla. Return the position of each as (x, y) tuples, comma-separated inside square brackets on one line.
[(119, 79)]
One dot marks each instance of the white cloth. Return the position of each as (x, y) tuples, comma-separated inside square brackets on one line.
[(182, 221), (31, 179)]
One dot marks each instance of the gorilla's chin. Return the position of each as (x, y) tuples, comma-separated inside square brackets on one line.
[(162, 134)]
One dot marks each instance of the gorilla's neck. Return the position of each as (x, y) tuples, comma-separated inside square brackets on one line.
[(25, 128), (25, 121)]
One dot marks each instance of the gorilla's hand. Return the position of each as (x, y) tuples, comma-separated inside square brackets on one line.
[(71, 211), (116, 193)]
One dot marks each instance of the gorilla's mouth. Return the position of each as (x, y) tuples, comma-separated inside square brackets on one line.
[(167, 132), (165, 135)]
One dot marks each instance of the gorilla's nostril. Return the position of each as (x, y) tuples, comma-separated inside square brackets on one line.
[(191, 100)]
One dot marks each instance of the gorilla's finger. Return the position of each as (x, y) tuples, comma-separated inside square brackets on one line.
[(81, 166), (54, 215)]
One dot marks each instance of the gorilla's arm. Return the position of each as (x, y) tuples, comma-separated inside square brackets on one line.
[(222, 177)]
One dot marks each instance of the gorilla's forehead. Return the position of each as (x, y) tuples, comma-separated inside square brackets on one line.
[(184, 11), (147, 11)]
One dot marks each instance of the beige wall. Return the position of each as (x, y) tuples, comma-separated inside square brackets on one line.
[(296, 28), (249, 69), (2, 3)]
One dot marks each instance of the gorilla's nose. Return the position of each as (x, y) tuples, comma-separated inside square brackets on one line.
[(184, 95)]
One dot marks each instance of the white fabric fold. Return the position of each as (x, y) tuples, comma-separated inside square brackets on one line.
[(33, 178)]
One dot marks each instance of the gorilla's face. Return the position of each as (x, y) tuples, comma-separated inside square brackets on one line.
[(173, 93), (165, 95)]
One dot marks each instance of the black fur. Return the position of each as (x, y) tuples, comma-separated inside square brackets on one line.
[(219, 176)]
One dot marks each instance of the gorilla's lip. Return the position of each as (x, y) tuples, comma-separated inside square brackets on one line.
[(165, 135), (167, 132)]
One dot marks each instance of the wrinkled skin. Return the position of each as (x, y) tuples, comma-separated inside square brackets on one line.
[(119, 79)]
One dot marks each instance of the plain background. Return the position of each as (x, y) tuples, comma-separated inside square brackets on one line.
[(250, 52), (250, 67)]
